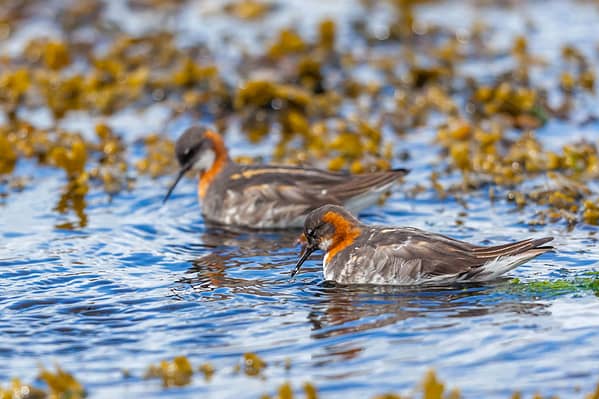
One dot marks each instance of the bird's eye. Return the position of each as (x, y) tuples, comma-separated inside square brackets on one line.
[(310, 233)]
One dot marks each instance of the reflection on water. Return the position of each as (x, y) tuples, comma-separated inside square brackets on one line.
[(373, 307), (72, 199), (233, 248), (250, 242)]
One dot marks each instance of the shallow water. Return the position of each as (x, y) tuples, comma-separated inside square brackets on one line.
[(141, 282)]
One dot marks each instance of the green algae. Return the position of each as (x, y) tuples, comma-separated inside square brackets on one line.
[(581, 284)]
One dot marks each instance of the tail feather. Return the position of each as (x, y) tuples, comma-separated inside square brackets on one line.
[(362, 184), (364, 190), (513, 248), (503, 258)]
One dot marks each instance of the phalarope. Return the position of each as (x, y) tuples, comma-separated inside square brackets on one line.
[(269, 196), (356, 253)]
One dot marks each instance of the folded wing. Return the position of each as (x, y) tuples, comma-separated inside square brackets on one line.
[(415, 256), (288, 192)]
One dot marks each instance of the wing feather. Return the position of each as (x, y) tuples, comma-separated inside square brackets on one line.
[(279, 196), (409, 254), (339, 184)]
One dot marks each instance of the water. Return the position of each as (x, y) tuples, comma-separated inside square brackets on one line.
[(143, 282)]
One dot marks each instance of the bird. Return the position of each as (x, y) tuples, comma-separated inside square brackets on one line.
[(356, 253), (268, 196)]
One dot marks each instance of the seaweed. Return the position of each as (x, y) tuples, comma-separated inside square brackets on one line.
[(175, 373), (179, 372), (579, 284)]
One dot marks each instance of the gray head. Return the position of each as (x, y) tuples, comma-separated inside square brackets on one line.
[(197, 149), (325, 228)]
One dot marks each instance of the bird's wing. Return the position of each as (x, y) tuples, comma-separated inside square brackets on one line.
[(356, 185), (412, 254), (261, 174), (282, 195), (313, 186), (405, 255), (273, 204)]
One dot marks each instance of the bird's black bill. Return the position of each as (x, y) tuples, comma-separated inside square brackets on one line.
[(402, 170), (182, 172), (305, 255)]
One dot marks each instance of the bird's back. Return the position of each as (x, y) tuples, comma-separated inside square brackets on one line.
[(407, 256), (271, 196)]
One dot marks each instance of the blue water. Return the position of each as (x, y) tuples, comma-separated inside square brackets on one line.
[(142, 282)]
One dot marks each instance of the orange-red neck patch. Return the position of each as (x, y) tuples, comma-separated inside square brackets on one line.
[(345, 234), (220, 160)]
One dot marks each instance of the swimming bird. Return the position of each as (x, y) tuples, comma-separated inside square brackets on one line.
[(356, 253), (268, 196)]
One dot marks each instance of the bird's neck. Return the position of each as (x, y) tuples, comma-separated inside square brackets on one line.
[(221, 158), (346, 233)]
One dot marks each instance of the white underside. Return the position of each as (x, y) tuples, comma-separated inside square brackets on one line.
[(357, 204)]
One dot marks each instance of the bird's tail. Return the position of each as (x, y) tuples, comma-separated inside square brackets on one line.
[(500, 259), (365, 189)]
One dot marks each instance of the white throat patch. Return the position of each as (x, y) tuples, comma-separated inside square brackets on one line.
[(325, 244), (205, 161)]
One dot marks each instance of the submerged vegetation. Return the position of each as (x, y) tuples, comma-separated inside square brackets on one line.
[(589, 282)]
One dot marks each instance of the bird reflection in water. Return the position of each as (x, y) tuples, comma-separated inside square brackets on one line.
[(379, 306), (350, 310), (232, 248)]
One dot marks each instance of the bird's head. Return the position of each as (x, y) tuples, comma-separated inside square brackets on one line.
[(327, 228), (197, 149)]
